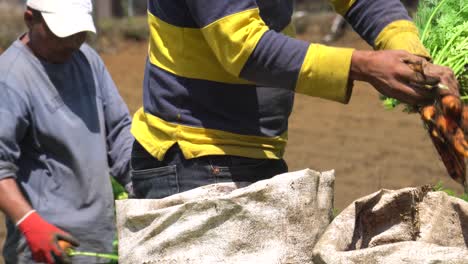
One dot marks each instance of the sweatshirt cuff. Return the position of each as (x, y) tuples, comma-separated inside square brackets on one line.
[(325, 73), (401, 35), (7, 170)]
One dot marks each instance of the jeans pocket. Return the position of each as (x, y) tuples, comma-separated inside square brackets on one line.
[(155, 183)]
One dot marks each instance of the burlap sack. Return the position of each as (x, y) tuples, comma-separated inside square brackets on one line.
[(412, 225), (272, 221)]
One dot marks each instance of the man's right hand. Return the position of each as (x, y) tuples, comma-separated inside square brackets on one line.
[(403, 76), (43, 238)]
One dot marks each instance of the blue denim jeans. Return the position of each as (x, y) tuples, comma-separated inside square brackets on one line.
[(154, 179)]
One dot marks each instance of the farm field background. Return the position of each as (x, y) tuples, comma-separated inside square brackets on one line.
[(369, 148)]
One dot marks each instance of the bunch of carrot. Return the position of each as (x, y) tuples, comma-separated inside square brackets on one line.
[(446, 120), (443, 27)]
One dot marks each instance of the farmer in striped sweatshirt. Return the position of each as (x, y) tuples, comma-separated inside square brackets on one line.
[(63, 130), (221, 76)]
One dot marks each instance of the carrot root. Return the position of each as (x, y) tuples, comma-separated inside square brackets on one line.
[(452, 107), (428, 113)]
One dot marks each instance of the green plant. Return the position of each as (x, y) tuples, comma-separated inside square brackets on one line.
[(336, 212), (440, 187), (118, 190), (112, 257), (443, 27), (119, 194)]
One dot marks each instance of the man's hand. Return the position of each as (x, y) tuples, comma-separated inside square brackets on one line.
[(401, 75), (43, 239), (442, 75)]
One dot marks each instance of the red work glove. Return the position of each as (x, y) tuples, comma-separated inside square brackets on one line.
[(43, 239)]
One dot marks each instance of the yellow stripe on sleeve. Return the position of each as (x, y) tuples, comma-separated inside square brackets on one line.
[(233, 38), (325, 73), (184, 51), (401, 35)]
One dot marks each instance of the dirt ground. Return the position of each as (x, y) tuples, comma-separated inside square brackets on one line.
[(368, 147)]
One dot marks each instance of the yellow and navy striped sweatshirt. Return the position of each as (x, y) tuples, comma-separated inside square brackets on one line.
[(221, 74)]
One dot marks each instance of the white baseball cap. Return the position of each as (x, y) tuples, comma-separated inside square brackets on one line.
[(65, 17)]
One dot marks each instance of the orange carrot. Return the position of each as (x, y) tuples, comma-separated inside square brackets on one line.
[(464, 120), (454, 163), (452, 106), (446, 125), (64, 245), (459, 143), (428, 113), (435, 134)]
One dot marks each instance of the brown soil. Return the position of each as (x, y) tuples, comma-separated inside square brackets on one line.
[(368, 147)]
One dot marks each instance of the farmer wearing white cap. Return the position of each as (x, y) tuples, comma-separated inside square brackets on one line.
[(64, 129)]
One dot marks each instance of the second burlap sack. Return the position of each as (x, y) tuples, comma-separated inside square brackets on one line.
[(411, 225)]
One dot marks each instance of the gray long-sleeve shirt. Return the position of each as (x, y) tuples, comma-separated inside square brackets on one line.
[(63, 130)]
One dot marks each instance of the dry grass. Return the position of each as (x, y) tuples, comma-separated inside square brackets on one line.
[(11, 27), (111, 32)]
